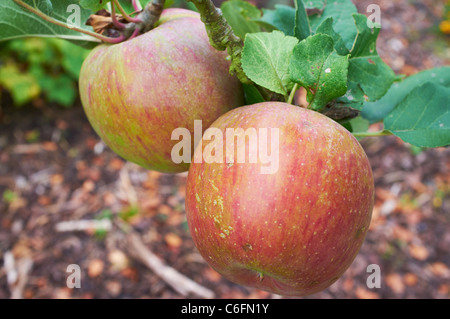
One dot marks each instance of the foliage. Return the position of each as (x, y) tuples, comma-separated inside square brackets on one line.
[(38, 67), (336, 61)]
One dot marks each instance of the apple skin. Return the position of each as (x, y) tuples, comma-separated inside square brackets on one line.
[(137, 92), (293, 232)]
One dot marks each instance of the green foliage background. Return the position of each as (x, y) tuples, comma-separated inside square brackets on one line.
[(33, 68)]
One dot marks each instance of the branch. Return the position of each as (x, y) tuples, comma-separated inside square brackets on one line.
[(221, 36)]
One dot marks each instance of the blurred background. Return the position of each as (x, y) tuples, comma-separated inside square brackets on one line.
[(65, 198)]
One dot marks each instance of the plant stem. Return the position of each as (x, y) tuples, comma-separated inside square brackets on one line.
[(372, 134), (62, 24), (292, 94), (123, 13), (116, 23), (136, 5), (221, 36), (151, 13)]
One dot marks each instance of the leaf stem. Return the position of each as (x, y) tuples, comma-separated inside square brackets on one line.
[(116, 23), (292, 94), (372, 134), (124, 14), (136, 5)]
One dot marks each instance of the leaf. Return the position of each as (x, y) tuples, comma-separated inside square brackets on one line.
[(326, 27), (23, 86), (252, 95), (359, 124), (316, 66), (302, 29), (341, 11), (241, 15), (422, 118), (369, 78), (365, 40), (265, 60), (314, 4), (94, 5), (377, 111), (45, 6), (16, 21), (281, 18)]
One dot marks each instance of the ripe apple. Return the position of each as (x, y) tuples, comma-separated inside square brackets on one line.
[(137, 92), (295, 230)]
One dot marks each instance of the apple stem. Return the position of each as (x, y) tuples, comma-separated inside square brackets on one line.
[(372, 134), (134, 34), (151, 13)]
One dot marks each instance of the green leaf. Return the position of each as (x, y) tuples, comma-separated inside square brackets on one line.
[(377, 111), (365, 40), (265, 60), (60, 90), (16, 21), (241, 15), (302, 29), (94, 5), (341, 11), (23, 86), (252, 95), (357, 125), (45, 6), (281, 18), (326, 27), (315, 4), (316, 66), (422, 118), (369, 78)]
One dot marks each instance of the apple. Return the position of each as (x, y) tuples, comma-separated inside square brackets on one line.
[(293, 230), (137, 92)]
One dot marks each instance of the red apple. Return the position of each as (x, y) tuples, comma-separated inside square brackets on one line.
[(137, 92), (293, 229)]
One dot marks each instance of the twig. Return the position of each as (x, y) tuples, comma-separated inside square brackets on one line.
[(126, 187), (83, 225), (173, 278), (17, 273)]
